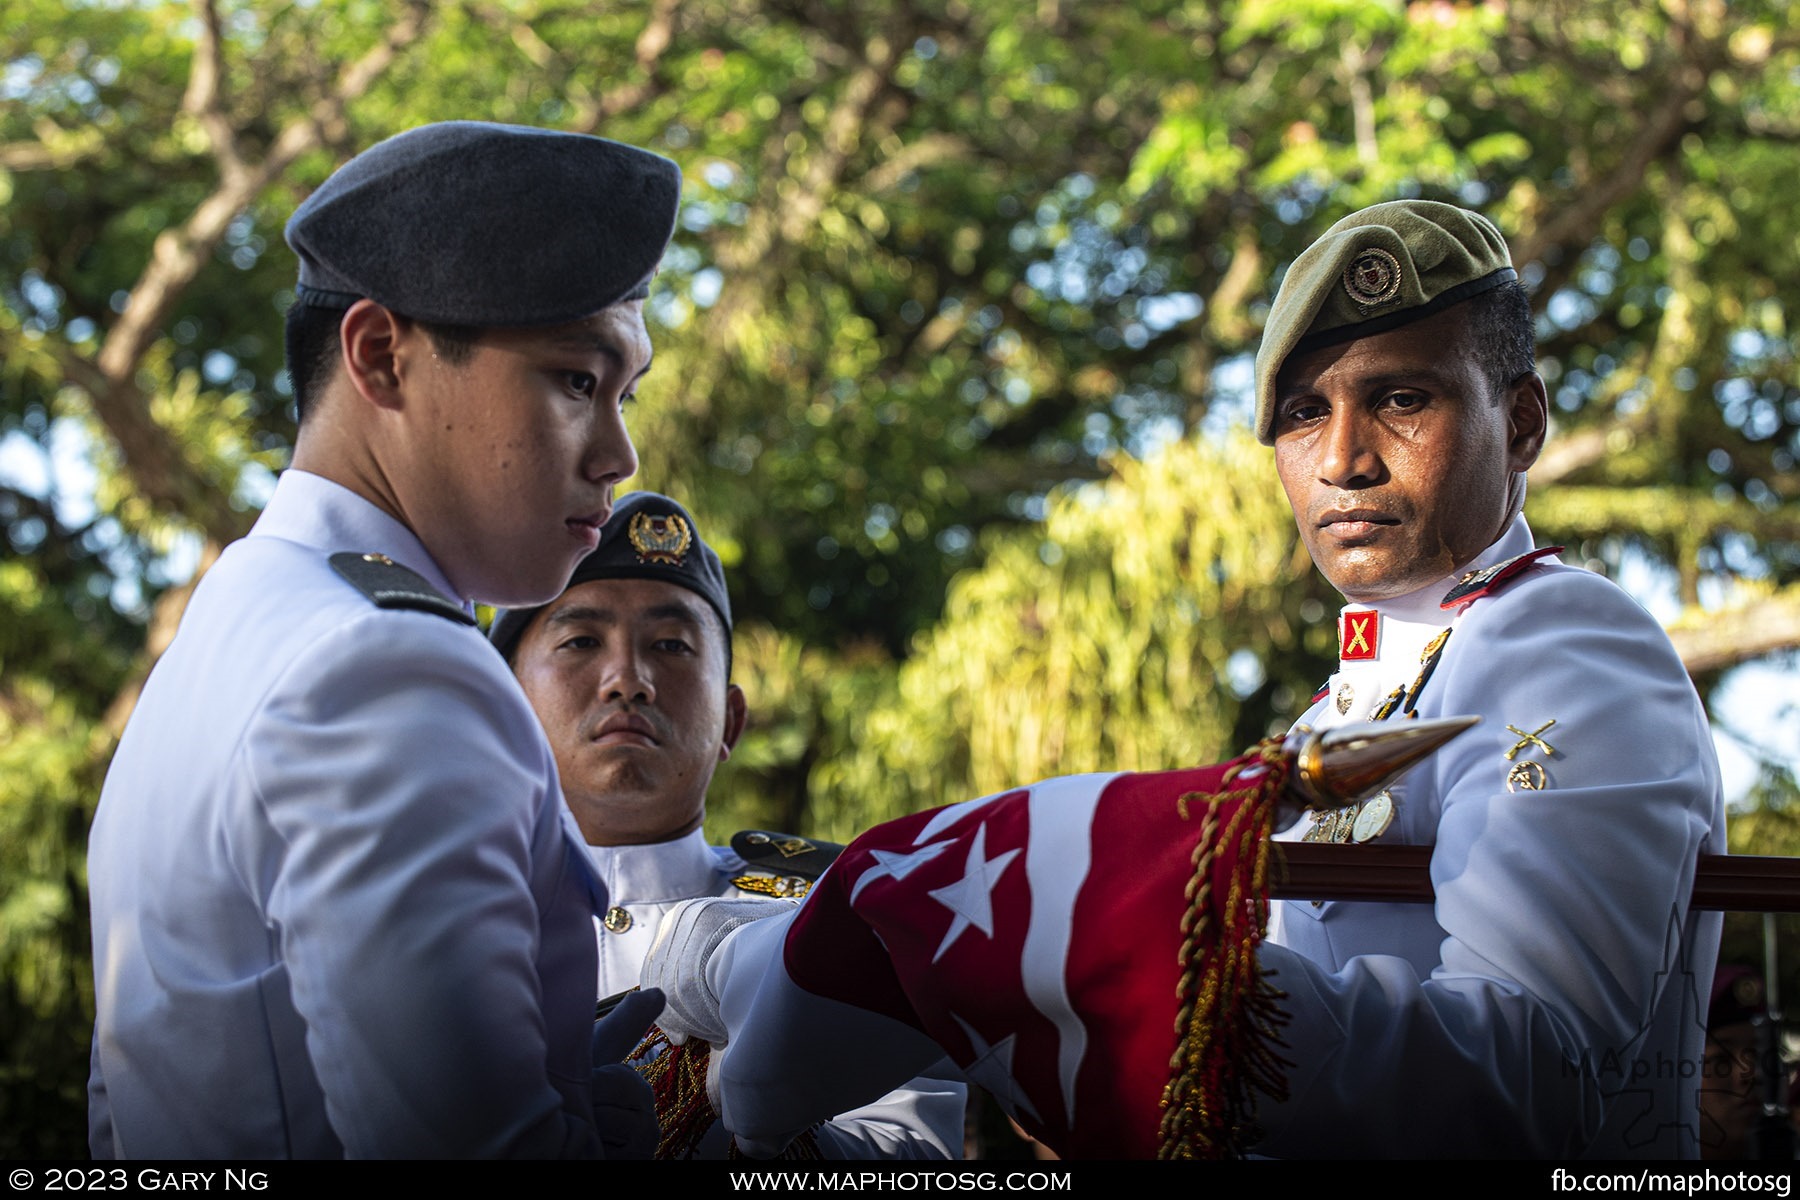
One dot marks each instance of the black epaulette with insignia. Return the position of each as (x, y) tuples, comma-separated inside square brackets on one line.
[(1488, 580), (794, 862), (391, 585)]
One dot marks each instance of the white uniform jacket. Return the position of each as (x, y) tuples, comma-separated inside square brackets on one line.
[(1552, 1003), (339, 907), (922, 1120)]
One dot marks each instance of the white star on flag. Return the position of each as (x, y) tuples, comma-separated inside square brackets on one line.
[(971, 897), (992, 1069), (899, 866)]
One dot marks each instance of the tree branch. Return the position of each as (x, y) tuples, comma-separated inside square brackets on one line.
[(1579, 213), (56, 148), (204, 99), (153, 459), (1715, 640)]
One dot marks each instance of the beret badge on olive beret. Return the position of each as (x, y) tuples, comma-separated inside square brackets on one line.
[(1373, 278), (1377, 269)]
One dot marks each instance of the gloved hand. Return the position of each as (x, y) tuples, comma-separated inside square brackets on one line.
[(677, 963), (624, 1106)]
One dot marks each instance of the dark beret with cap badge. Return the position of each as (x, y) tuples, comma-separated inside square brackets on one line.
[(479, 224), (648, 536), (1377, 269)]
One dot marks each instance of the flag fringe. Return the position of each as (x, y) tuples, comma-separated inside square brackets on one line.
[(677, 1078), (1227, 1021)]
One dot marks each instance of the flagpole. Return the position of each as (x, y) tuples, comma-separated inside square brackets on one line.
[(1402, 874)]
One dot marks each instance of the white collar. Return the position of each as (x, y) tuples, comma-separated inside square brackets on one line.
[(1407, 627), (314, 511), (657, 871)]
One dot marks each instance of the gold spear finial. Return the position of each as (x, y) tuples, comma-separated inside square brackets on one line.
[(1340, 766)]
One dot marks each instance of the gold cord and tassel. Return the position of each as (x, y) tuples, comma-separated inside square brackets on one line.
[(677, 1078), (1227, 1022)]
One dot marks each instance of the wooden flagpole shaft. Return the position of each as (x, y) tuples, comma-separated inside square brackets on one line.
[(1722, 882)]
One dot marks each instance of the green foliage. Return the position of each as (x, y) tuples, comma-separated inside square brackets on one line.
[(1102, 639), (49, 773), (947, 275)]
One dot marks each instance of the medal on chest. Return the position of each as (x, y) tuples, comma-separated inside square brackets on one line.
[(1373, 817)]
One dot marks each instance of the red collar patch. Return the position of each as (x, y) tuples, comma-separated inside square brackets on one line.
[(1477, 584), (1359, 635)]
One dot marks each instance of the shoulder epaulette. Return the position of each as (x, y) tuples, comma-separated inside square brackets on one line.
[(1324, 691), (785, 853), (1489, 580), (391, 585)]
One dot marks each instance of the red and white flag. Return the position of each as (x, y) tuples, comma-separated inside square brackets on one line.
[(1039, 937)]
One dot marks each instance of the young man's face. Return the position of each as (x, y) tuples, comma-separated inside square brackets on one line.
[(511, 454), (1398, 457), (628, 678)]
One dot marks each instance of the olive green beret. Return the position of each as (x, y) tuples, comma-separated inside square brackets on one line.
[(476, 223), (1375, 270)]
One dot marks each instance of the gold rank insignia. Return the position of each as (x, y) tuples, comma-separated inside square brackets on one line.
[(792, 862), (660, 539), (785, 887), (1527, 774), (786, 844)]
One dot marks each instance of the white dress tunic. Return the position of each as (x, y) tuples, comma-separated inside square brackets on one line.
[(1552, 1003), (339, 907)]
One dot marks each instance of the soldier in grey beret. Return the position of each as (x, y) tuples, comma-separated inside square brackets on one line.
[(339, 906), (1546, 1004)]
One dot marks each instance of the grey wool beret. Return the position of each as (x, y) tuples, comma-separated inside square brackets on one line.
[(1377, 269), (471, 223), (648, 536)]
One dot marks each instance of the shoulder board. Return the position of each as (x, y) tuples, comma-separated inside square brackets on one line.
[(784, 853), (391, 585), (1489, 580), (1324, 691)]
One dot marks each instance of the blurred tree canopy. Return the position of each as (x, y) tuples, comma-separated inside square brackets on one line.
[(951, 344)]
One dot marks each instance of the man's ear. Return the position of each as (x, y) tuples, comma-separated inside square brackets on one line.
[(1527, 419), (369, 343), (736, 713)]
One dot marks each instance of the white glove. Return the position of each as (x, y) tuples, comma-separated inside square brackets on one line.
[(677, 963)]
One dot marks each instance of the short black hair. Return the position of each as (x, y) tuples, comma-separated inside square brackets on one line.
[(312, 348), (1504, 333)]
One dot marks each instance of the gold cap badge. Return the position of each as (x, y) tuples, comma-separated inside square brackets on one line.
[(660, 539)]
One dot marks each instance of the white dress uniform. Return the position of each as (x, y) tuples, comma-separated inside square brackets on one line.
[(339, 907), (923, 1120), (1552, 1003)]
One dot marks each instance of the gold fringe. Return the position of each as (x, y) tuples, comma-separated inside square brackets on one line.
[(677, 1077), (1227, 1021)]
